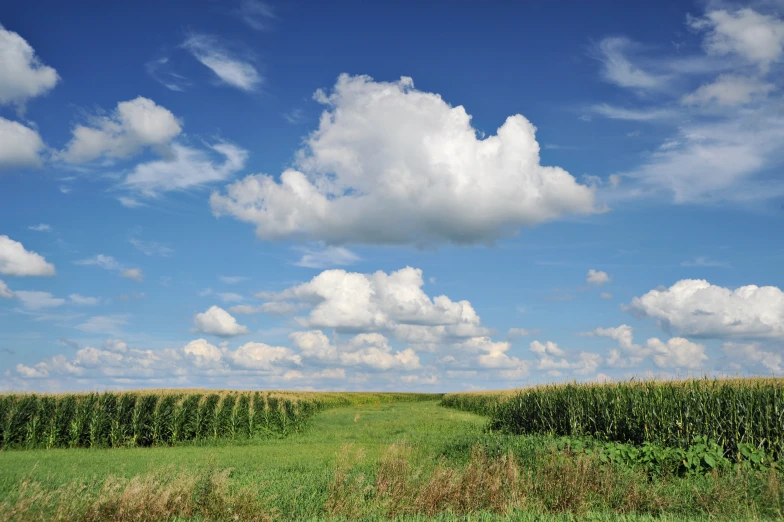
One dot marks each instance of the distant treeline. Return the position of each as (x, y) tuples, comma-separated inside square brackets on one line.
[(165, 417), (731, 412)]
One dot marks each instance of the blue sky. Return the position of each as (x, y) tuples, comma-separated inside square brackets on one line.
[(356, 195)]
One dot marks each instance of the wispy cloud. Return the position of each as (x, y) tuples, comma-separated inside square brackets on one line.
[(257, 15), (160, 70), (231, 70), (721, 107), (43, 227), (705, 262), (327, 257)]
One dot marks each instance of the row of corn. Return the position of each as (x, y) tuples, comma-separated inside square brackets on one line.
[(729, 412), (162, 418)]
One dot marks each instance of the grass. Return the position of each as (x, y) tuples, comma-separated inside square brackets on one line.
[(384, 461)]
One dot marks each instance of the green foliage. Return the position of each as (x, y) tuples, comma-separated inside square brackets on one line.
[(731, 413), (163, 418)]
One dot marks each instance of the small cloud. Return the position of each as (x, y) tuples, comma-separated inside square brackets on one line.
[(108, 324), (230, 297), (633, 134), (160, 71), (606, 295), (327, 257), (702, 261), (232, 280), (43, 227), (586, 117), (84, 301), (521, 332), (151, 248), (256, 15), (217, 321), (133, 273), (68, 342), (294, 116), (231, 71), (35, 300), (15, 260), (597, 277), (130, 202)]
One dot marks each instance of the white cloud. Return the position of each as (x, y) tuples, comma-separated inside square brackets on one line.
[(585, 364), (22, 75), (230, 297), (753, 353), (16, 261), (103, 261), (107, 324), (186, 168), (677, 353), (725, 142), (82, 300), (257, 15), (260, 356), (5, 292), (43, 227), (597, 277), (202, 352), (703, 261), (393, 165), (492, 355), (729, 91), (134, 125), (115, 345), (620, 71), (395, 302), (160, 71), (326, 257), (129, 202), (230, 70), (217, 321), (20, 146), (369, 350), (133, 273), (756, 37), (35, 300), (232, 280), (712, 161), (623, 113), (518, 332), (606, 295), (694, 307), (151, 248), (272, 307), (110, 263)]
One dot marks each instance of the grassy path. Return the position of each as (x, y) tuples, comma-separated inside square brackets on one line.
[(295, 470)]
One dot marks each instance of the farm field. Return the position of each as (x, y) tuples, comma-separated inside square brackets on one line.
[(373, 460)]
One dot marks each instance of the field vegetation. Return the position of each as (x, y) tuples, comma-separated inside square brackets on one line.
[(403, 457), (165, 417)]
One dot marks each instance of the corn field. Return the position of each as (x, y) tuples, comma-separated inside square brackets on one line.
[(729, 412), (165, 417)]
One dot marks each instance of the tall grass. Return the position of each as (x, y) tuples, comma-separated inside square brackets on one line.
[(730, 412), (165, 417)]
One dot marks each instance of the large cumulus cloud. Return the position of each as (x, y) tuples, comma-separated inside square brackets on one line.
[(393, 165)]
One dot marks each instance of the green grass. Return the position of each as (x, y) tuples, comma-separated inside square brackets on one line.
[(296, 470), (295, 476)]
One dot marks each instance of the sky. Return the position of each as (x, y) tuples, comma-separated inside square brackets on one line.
[(410, 196)]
